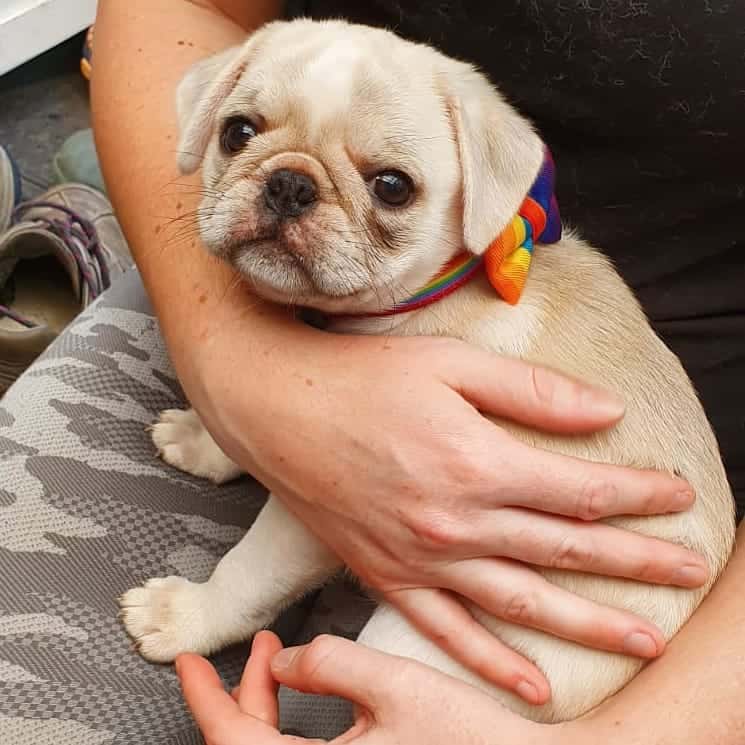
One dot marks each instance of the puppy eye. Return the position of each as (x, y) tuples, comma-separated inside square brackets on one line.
[(393, 187), (236, 133)]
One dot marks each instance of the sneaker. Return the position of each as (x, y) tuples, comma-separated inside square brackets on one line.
[(77, 162), (60, 253), (10, 188)]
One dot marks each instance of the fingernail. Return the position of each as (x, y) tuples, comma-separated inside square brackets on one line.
[(177, 665), (683, 499), (605, 403), (640, 644), (527, 691), (285, 658), (691, 575)]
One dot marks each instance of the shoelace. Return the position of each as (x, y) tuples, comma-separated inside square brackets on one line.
[(81, 242)]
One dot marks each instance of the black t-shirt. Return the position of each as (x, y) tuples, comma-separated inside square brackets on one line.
[(643, 105)]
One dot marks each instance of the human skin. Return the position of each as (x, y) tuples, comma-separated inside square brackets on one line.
[(693, 694), (377, 444)]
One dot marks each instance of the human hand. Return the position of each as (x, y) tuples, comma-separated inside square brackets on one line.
[(377, 444), (250, 713), (397, 700)]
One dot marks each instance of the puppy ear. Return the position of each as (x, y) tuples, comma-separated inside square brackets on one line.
[(199, 96), (500, 155)]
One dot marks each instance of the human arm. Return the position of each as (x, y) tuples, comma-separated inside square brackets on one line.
[(377, 444), (143, 50), (699, 683)]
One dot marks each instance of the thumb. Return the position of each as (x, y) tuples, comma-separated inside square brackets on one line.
[(333, 666), (531, 394)]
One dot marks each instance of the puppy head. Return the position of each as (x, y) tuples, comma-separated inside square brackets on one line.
[(343, 165)]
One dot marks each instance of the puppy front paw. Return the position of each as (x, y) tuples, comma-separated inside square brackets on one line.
[(168, 616), (184, 443)]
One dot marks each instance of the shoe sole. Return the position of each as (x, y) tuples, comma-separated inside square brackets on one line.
[(10, 188)]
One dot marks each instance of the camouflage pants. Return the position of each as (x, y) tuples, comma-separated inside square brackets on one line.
[(86, 512)]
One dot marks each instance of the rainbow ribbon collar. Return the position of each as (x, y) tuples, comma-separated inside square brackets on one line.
[(507, 260)]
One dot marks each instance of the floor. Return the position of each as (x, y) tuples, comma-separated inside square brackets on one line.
[(41, 104)]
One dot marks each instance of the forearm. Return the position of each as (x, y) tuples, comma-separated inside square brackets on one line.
[(695, 692), (143, 49)]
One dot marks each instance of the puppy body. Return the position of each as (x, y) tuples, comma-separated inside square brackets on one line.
[(602, 337), (576, 315)]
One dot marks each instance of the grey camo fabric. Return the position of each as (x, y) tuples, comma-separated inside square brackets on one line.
[(87, 511)]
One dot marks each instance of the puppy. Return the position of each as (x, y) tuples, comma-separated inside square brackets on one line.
[(345, 168)]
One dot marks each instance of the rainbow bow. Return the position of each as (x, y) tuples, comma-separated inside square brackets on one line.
[(507, 259)]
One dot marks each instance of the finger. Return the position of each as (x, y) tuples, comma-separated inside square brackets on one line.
[(394, 684), (514, 593), (258, 689), (561, 543), (533, 395), (332, 666), (214, 711), (443, 618), (563, 485)]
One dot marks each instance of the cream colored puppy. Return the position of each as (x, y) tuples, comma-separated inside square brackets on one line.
[(344, 168)]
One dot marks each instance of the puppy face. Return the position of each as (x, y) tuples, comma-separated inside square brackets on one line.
[(343, 166)]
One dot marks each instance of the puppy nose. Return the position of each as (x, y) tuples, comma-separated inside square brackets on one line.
[(289, 193)]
